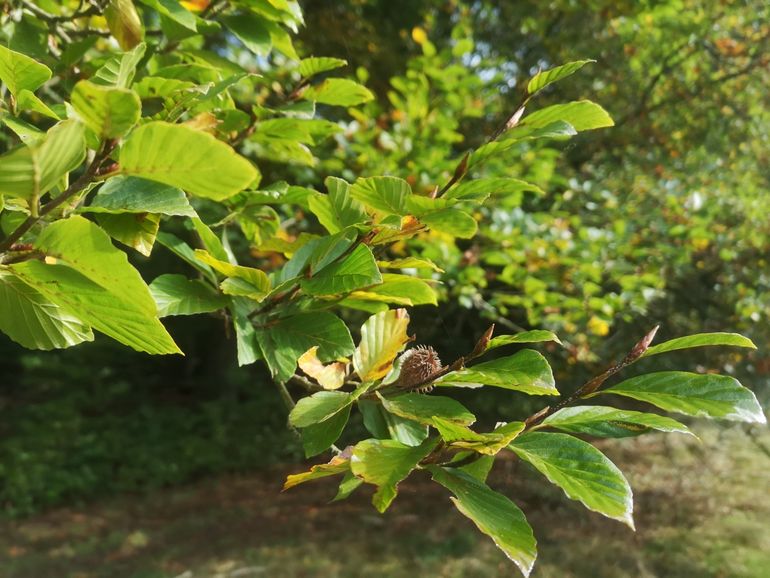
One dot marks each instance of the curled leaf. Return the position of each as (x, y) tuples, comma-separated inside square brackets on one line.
[(330, 376)]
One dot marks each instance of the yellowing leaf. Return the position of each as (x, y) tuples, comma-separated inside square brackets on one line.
[(330, 376), (419, 35), (195, 5), (383, 336)]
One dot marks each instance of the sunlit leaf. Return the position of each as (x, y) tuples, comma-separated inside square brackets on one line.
[(526, 371), (583, 472), (383, 336), (338, 92), (700, 340), (18, 71), (423, 408), (32, 321), (330, 376), (494, 515), (601, 421), (183, 157), (546, 77), (385, 463), (701, 395)]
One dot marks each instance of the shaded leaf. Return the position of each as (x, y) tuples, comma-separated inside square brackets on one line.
[(178, 295), (283, 342), (319, 437), (134, 195)]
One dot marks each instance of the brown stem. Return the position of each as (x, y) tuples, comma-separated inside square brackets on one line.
[(593, 384)]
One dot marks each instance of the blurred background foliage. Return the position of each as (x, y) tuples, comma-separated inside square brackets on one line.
[(660, 219)]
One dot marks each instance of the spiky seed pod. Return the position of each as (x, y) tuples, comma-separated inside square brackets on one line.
[(417, 367)]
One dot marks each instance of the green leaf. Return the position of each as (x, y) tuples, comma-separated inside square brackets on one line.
[(423, 408), (410, 263), (120, 69), (534, 336), (137, 231), (186, 253), (319, 437), (581, 115), (558, 129), (349, 484), (134, 195), (210, 241), (494, 515), (337, 210), (34, 322), (251, 30), (26, 100), (336, 465), (282, 343), (319, 407), (108, 111), (385, 463), (356, 270), (29, 172), (583, 472), (245, 335), (385, 425), (338, 92), (27, 133), (255, 277), (546, 77), (18, 71), (315, 65), (385, 194), (178, 295), (608, 422), (480, 189), (183, 157), (700, 340), (479, 468), (94, 281), (175, 11), (327, 250), (281, 40), (700, 395), (399, 290), (526, 371), (491, 443), (383, 336), (451, 221)]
